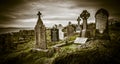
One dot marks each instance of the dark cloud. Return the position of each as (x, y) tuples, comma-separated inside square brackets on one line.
[(6, 8), (15, 9), (12, 10), (5, 5), (113, 6)]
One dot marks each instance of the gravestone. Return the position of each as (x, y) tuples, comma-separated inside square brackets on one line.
[(85, 33), (54, 34), (70, 30), (80, 40), (40, 34), (101, 19), (61, 33), (78, 28), (85, 15)]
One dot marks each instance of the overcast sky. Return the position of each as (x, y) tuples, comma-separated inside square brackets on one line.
[(23, 13)]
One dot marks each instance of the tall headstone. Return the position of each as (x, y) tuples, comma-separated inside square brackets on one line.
[(101, 19), (40, 34), (78, 28), (70, 30), (85, 15), (54, 34), (61, 33)]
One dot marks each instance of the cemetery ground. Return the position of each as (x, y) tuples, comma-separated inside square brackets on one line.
[(92, 52)]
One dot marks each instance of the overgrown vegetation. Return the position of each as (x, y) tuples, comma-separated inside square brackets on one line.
[(93, 52), (96, 51)]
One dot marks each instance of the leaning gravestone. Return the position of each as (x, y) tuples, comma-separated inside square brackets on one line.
[(54, 34), (101, 19)]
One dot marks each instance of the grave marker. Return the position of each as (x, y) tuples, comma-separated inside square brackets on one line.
[(84, 15), (61, 33), (40, 34), (80, 40), (101, 19), (54, 34)]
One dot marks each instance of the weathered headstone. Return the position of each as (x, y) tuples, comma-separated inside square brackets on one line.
[(61, 33), (91, 29), (101, 19), (85, 15), (70, 30), (54, 34), (40, 33)]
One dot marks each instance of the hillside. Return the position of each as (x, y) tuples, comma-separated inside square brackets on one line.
[(93, 52)]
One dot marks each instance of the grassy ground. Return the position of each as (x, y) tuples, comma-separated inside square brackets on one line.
[(93, 52), (97, 52)]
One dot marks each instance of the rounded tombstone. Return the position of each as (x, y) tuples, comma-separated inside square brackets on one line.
[(101, 20)]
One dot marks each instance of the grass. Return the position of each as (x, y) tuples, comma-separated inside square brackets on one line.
[(96, 53), (93, 52)]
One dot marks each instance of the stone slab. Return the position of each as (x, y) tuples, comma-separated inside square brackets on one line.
[(80, 40), (42, 50), (58, 45)]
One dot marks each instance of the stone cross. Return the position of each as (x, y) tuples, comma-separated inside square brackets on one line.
[(78, 28), (39, 14), (85, 15)]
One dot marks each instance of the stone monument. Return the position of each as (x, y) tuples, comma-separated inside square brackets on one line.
[(84, 36), (80, 40), (61, 33), (101, 19), (54, 34), (40, 34), (78, 28), (70, 30), (85, 15)]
